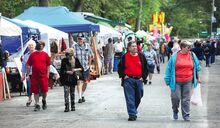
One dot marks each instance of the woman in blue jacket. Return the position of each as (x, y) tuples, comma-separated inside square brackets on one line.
[(181, 76)]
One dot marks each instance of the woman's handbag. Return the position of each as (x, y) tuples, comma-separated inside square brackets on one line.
[(196, 98)]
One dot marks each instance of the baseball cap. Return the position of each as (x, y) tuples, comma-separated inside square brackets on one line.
[(80, 35)]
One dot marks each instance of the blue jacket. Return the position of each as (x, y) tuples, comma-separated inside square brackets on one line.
[(170, 74)]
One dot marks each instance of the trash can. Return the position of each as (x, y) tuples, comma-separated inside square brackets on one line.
[(115, 66)]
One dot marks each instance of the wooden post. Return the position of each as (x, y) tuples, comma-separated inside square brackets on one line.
[(3, 83), (6, 85), (97, 66)]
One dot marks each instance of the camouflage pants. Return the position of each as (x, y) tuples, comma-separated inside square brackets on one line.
[(69, 91)]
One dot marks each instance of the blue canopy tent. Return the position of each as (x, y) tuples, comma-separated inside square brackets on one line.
[(14, 43), (60, 18)]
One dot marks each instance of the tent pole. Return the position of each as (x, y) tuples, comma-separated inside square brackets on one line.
[(22, 47)]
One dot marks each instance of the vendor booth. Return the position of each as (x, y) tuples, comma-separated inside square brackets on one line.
[(10, 36), (47, 34), (27, 33), (8, 31), (62, 19)]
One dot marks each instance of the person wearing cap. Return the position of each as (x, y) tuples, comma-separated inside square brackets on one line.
[(83, 52), (152, 61), (70, 67), (39, 61), (181, 76), (31, 47), (132, 70)]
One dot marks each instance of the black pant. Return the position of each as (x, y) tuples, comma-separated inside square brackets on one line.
[(69, 90)]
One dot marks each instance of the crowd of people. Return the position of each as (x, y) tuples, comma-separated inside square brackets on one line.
[(74, 71), (137, 61), (137, 66)]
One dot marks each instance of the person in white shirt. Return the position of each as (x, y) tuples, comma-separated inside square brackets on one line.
[(176, 47), (118, 47)]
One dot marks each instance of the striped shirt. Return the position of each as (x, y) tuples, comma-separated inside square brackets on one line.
[(83, 53)]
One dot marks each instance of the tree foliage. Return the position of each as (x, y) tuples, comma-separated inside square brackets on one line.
[(187, 16)]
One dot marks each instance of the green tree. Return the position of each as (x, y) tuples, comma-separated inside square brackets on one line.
[(43, 2), (188, 17), (12, 8)]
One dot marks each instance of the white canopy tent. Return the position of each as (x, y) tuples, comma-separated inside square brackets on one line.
[(106, 32), (141, 33), (47, 33), (52, 32), (9, 29)]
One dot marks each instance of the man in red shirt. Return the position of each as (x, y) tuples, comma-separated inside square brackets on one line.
[(40, 63), (132, 69)]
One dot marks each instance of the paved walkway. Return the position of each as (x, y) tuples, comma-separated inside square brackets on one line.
[(105, 107)]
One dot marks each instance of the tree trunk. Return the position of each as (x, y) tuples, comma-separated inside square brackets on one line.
[(138, 19), (78, 5), (43, 3)]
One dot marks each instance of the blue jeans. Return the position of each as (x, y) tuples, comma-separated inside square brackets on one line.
[(133, 90), (29, 87), (207, 59), (212, 58)]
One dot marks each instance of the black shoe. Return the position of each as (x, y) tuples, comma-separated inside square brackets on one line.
[(132, 118), (67, 109), (73, 106), (145, 82), (80, 101), (187, 119), (83, 99), (44, 104), (37, 108), (175, 116), (28, 103), (150, 82), (73, 109)]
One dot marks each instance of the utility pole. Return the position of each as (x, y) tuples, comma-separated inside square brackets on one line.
[(212, 14), (138, 19)]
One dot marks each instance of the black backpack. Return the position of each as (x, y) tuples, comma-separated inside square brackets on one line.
[(206, 50)]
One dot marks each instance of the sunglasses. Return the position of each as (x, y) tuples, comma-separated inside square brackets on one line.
[(79, 38), (188, 47)]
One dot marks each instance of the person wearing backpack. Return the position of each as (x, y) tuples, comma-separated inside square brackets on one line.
[(207, 53)]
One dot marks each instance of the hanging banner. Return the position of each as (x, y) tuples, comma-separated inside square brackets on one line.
[(162, 17)]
